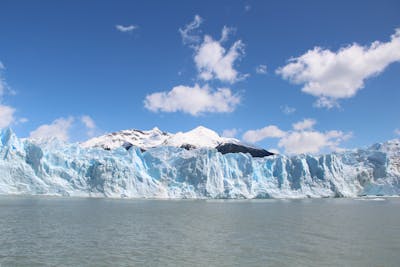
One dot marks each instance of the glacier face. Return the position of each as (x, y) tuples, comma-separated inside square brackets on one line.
[(56, 168)]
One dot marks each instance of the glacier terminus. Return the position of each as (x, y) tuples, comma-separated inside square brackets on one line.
[(153, 164)]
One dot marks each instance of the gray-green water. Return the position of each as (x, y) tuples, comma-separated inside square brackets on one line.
[(37, 231)]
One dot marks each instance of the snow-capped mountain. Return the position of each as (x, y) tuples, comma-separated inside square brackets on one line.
[(56, 168), (200, 137), (138, 138)]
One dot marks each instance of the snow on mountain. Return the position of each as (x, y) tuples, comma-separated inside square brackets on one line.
[(142, 139), (200, 137), (57, 168)]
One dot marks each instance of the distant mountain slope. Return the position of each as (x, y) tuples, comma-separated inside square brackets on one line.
[(142, 139), (200, 137)]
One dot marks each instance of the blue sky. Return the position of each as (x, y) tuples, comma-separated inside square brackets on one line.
[(69, 70)]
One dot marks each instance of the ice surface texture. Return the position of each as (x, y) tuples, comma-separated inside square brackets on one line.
[(56, 168)]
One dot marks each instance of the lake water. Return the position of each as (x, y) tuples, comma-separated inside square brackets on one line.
[(40, 231)]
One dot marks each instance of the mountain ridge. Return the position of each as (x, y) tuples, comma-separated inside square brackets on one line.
[(199, 137)]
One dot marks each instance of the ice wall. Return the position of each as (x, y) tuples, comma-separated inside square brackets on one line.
[(56, 168)]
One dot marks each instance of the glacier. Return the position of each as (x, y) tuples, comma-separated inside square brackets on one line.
[(53, 167)]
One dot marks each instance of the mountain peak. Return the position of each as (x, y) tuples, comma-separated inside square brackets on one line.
[(201, 128), (156, 129), (197, 137)]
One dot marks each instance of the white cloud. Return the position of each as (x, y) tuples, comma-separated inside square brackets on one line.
[(226, 31), (128, 28), (247, 8), (89, 124), (188, 37), (326, 102), (59, 129), (303, 139), (287, 109), (213, 61), (193, 100), (305, 124), (261, 69), (330, 76), (271, 131), (312, 141), (6, 116), (230, 133), (64, 128), (23, 120), (397, 131)]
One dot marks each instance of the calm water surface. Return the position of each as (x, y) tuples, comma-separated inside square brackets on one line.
[(39, 231)]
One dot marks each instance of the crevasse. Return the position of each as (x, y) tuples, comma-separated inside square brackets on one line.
[(56, 168)]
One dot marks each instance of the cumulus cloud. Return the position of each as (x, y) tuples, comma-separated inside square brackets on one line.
[(330, 76), (312, 141), (89, 124), (188, 32), (65, 128), (304, 124), (6, 116), (261, 69), (271, 131), (128, 28), (213, 61), (193, 100), (230, 133), (58, 129), (287, 109), (397, 131), (302, 139)]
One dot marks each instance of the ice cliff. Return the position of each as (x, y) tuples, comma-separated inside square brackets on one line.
[(56, 168)]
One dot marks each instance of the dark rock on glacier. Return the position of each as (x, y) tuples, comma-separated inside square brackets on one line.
[(237, 148)]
